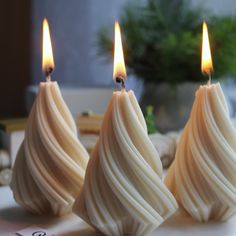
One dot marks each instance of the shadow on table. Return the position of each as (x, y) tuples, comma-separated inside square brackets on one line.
[(20, 216), (181, 220), (73, 226), (84, 232), (15, 217)]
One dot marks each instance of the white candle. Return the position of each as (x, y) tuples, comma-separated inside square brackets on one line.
[(50, 165), (123, 191), (202, 176)]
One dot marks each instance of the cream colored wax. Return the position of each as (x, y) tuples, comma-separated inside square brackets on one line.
[(50, 164), (123, 193), (203, 174)]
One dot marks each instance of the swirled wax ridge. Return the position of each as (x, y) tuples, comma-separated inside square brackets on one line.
[(50, 164), (123, 192), (202, 176)]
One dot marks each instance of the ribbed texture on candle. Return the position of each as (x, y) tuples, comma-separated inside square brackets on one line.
[(203, 175), (50, 164), (123, 193)]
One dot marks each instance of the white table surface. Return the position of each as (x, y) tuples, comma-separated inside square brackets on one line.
[(14, 218)]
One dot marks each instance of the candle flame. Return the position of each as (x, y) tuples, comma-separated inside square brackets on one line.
[(207, 65), (119, 70), (47, 60)]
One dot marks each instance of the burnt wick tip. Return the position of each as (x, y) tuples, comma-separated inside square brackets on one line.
[(121, 80), (48, 71)]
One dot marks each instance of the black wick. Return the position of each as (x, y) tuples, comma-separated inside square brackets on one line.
[(48, 72), (121, 80)]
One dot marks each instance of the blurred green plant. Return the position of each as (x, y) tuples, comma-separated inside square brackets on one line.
[(162, 41), (150, 120)]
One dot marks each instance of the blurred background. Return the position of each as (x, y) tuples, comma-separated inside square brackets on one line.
[(162, 40)]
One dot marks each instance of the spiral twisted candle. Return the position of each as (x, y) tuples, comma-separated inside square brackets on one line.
[(202, 177), (123, 192), (50, 165)]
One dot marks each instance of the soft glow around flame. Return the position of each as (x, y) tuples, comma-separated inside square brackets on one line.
[(207, 66), (47, 60), (119, 69)]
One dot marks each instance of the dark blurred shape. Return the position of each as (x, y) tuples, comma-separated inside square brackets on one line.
[(15, 56)]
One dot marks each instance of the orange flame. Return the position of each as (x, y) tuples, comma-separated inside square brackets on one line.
[(119, 69), (207, 65), (47, 60)]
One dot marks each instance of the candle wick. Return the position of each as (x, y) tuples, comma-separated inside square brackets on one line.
[(209, 80), (121, 80), (48, 78), (48, 73), (123, 84)]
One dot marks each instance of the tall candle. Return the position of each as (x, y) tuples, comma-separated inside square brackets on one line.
[(123, 191), (50, 164), (203, 174)]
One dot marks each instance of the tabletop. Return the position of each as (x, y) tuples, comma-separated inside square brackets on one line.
[(13, 218)]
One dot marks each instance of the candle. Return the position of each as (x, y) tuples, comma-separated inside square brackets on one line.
[(123, 192), (50, 164), (202, 176)]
